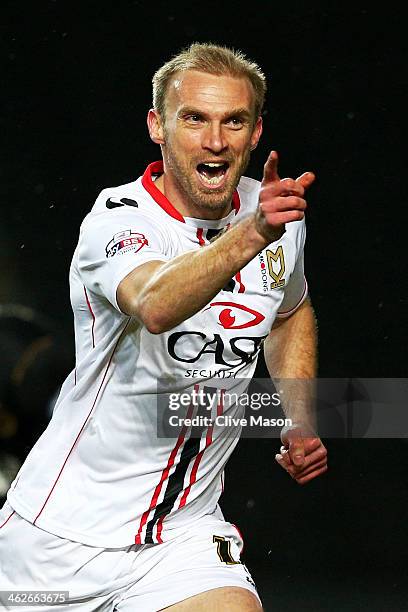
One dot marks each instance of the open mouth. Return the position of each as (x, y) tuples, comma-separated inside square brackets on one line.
[(212, 173)]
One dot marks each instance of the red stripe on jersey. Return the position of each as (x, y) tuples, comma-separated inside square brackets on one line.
[(159, 530), (236, 202), (7, 519), (201, 240), (164, 476), (208, 441), (92, 315), (83, 426), (241, 284), (157, 195)]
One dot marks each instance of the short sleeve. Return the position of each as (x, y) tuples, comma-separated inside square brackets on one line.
[(296, 289), (113, 244)]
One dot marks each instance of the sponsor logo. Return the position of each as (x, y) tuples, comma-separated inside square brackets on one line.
[(189, 347), (225, 373), (122, 202), (264, 273), (125, 241), (235, 316)]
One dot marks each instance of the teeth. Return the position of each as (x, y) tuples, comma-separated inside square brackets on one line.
[(212, 181), (214, 164)]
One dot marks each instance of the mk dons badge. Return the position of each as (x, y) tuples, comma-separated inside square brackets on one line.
[(276, 267)]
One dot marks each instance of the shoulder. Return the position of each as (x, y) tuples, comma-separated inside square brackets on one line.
[(130, 196), (123, 203), (121, 214)]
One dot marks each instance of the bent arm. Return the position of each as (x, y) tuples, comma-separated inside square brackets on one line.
[(162, 295)]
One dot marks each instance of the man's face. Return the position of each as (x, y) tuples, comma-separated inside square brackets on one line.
[(209, 130)]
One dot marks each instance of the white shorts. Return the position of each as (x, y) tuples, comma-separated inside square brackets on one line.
[(145, 577)]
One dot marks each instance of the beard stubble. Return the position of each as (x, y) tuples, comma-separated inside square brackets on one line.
[(184, 175)]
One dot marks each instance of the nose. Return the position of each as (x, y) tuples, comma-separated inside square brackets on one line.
[(213, 138)]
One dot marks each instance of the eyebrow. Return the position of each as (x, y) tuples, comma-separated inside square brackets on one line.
[(236, 112)]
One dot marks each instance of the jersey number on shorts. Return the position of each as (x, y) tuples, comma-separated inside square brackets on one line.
[(224, 550)]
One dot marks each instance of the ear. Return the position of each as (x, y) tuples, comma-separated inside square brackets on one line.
[(155, 126), (256, 134)]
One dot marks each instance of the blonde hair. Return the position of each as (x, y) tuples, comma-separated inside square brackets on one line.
[(212, 59)]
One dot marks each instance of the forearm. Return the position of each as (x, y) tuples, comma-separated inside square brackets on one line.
[(291, 359), (181, 287)]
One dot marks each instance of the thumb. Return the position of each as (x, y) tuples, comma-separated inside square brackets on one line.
[(296, 450), (306, 179)]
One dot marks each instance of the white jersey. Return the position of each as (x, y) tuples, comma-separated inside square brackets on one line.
[(100, 474)]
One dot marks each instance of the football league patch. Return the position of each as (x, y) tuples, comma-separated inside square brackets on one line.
[(125, 241)]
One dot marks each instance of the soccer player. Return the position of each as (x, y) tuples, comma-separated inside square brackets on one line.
[(177, 282)]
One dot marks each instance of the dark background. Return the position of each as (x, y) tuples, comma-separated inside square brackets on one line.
[(76, 88)]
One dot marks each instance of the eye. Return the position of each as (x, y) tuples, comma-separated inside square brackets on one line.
[(194, 119), (235, 122)]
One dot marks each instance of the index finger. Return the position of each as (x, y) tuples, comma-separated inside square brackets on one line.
[(271, 168)]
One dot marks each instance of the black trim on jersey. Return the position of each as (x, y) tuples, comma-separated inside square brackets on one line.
[(176, 480), (230, 286), (212, 233), (174, 485), (122, 202)]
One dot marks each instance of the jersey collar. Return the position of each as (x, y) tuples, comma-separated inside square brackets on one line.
[(160, 198)]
